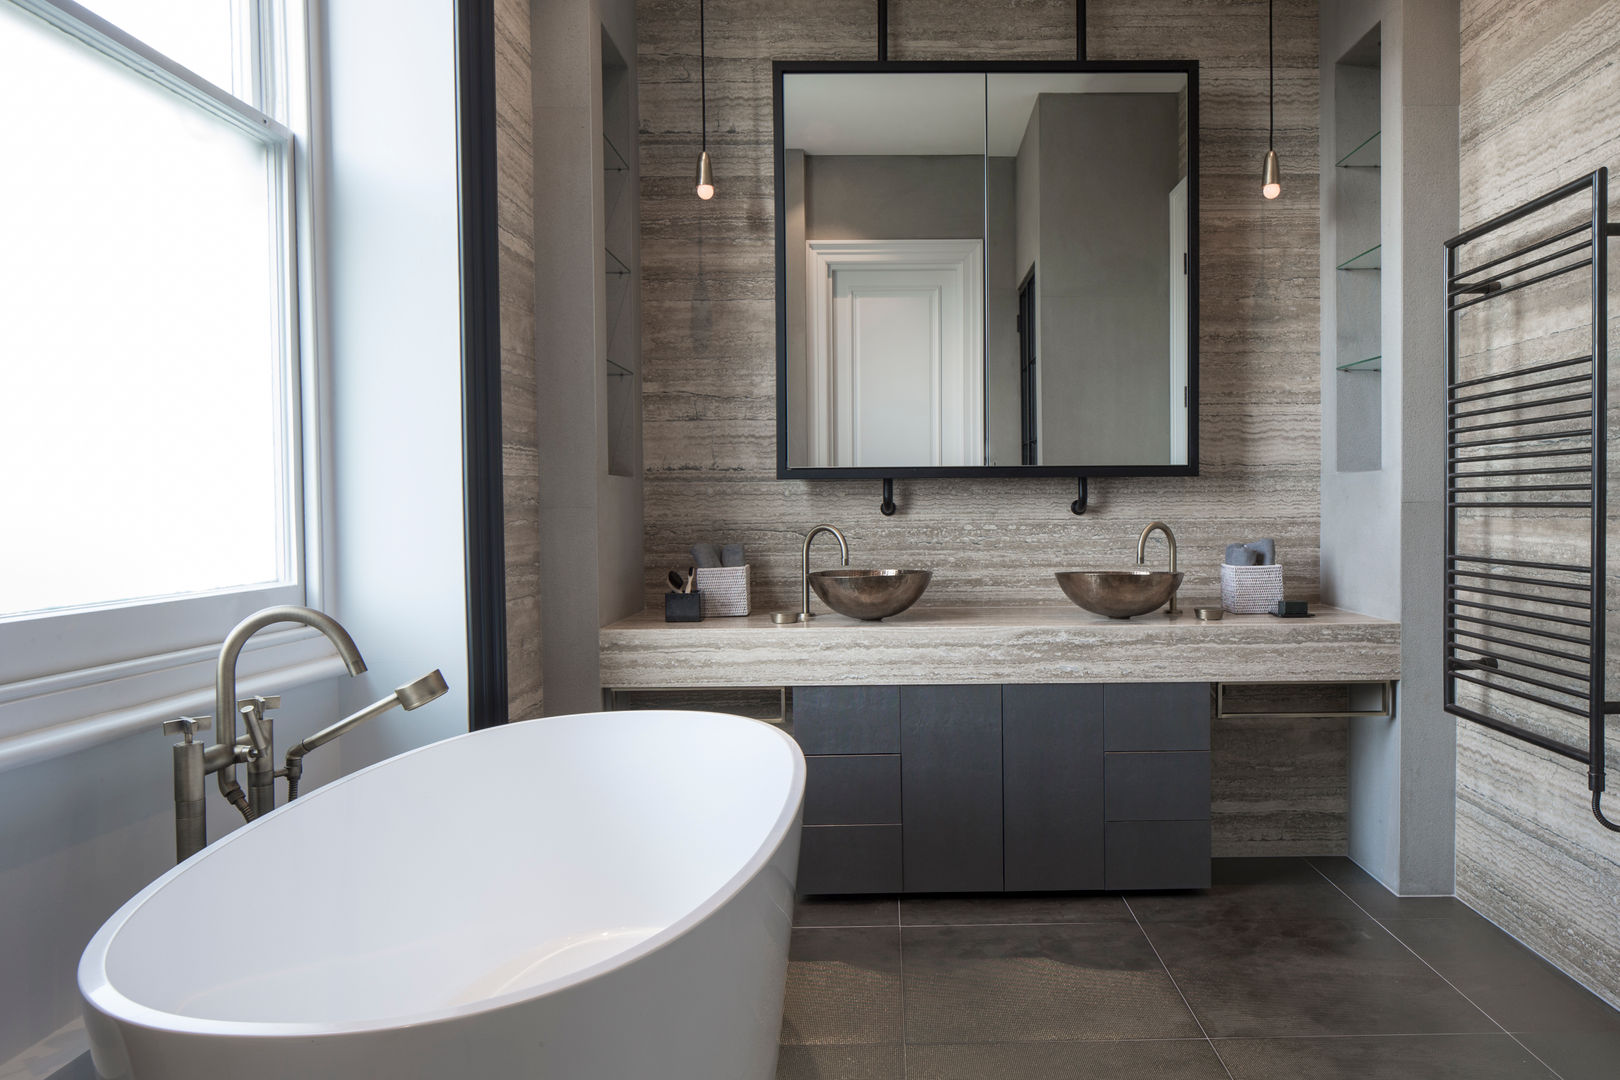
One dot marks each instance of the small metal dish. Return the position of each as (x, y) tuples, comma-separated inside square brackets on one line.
[(1208, 614)]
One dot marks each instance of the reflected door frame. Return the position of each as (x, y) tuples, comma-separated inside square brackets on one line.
[(962, 261)]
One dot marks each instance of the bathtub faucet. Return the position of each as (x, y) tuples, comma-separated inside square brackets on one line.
[(255, 749)]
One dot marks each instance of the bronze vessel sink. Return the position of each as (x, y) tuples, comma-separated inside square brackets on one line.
[(870, 594), (1119, 594)]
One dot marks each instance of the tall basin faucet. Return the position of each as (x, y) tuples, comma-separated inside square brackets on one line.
[(804, 614), (1141, 553)]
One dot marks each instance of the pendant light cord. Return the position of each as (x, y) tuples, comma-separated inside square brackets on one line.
[(703, 74), (1271, 65)]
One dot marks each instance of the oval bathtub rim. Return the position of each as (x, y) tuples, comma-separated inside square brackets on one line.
[(98, 992)]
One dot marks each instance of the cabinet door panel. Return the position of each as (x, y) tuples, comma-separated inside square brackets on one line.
[(1158, 854), (849, 859), (1158, 787), (1052, 752), (950, 763), (847, 719), (852, 790), (1156, 716)]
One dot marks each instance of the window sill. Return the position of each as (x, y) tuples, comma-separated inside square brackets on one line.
[(62, 714)]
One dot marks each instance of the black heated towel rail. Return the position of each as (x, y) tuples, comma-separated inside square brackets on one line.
[(1529, 436)]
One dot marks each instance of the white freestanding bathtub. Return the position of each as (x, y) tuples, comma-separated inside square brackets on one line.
[(597, 897)]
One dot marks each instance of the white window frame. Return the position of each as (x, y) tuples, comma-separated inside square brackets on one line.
[(71, 678)]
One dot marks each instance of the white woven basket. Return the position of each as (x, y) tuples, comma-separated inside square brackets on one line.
[(724, 589), (1250, 590)]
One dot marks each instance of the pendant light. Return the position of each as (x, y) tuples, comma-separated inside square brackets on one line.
[(705, 175), (1271, 175)]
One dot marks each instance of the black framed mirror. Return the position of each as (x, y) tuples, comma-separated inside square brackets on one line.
[(986, 269)]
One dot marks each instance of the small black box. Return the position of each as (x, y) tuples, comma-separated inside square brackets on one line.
[(1291, 609), (683, 607)]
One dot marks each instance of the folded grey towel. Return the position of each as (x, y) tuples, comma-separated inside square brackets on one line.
[(732, 555), (705, 555), (1241, 555), (1266, 549)]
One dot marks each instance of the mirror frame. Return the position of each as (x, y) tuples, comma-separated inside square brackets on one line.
[(781, 68)]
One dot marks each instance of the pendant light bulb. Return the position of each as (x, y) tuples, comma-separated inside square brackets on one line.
[(705, 178), (1271, 179)]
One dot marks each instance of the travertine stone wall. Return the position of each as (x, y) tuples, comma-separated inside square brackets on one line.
[(709, 382), (520, 459), (1540, 106)]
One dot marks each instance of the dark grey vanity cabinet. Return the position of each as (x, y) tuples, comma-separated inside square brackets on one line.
[(1022, 788)]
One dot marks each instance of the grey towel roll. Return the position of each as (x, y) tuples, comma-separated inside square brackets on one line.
[(1266, 549), (732, 555), (705, 555), (1241, 555)]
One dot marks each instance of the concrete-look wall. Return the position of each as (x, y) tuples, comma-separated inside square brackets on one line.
[(709, 330), (1381, 528), (520, 435), (1540, 106)]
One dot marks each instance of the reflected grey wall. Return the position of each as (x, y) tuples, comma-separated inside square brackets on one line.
[(1107, 163), (1001, 433), (797, 357)]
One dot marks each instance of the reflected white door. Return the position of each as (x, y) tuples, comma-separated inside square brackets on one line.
[(1179, 393), (897, 370)]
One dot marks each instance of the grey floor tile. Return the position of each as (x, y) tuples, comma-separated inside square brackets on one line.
[(841, 1063), (846, 911), (843, 987), (1297, 976), (1382, 1057), (1517, 988), (1251, 889), (1379, 902), (1578, 1057), (980, 910), (1180, 1059), (1032, 983)]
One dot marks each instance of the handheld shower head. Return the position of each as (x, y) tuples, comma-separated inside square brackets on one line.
[(430, 687)]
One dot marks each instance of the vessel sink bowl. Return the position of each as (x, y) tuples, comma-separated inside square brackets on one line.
[(1119, 594), (870, 594)]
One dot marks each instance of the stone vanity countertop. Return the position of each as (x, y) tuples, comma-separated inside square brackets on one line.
[(1048, 643)]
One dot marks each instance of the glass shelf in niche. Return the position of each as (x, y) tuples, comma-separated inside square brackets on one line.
[(612, 160), (1371, 259), (1372, 363), (1365, 156)]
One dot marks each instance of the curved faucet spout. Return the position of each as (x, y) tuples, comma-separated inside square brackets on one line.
[(804, 562), (1141, 553), (225, 673)]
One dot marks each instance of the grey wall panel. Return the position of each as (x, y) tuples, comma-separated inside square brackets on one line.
[(1157, 716), (862, 790), (1158, 787), (1052, 798), (1158, 855), (847, 719), (849, 859), (950, 738)]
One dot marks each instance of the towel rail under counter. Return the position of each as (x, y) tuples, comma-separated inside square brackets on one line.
[(1384, 710), (1494, 680)]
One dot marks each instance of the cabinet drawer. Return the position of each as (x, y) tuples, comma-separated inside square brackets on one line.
[(848, 790), (847, 719), (1158, 855), (1156, 716), (1157, 787), (849, 859)]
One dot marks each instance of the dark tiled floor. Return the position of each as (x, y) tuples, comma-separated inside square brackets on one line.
[(1286, 968)]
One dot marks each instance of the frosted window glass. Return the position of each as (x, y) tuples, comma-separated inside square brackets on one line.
[(208, 36), (142, 386)]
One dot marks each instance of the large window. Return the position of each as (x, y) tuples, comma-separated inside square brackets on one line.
[(150, 465)]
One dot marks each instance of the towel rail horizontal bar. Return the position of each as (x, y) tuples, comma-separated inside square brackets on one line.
[(1516, 286), (1568, 568), (1517, 489), (1529, 680), (1496, 279), (1539, 650), (1536, 369), (1535, 738), (1525, 694), (1524, 455), (1518, 613), (1459, 586), (1519, 580), (1568, 380), (1502, 658), (1511, 629), (1544, 436), (1525, 406), (1519, 505), (1526, 421), (1527, 249), (1545, 470)]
